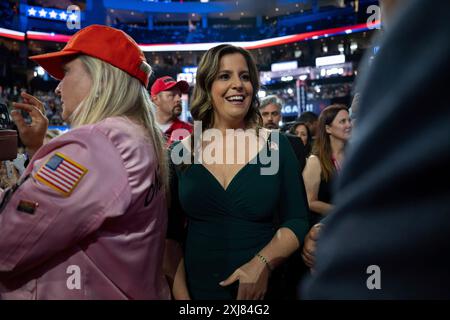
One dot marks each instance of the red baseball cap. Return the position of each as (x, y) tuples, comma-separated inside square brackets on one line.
[(105, 43), (167, 83)]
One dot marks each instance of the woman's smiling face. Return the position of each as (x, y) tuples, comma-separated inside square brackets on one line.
[(232, 90)]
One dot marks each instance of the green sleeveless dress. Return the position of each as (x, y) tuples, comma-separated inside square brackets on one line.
[(227, 227)]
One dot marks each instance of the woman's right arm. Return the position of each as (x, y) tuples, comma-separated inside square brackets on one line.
[(311, 177), (48, 213), (174, 270)]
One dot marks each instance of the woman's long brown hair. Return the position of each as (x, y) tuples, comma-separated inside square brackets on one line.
[(322, 145)]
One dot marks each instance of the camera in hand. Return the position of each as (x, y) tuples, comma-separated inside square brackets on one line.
[(8, 136)]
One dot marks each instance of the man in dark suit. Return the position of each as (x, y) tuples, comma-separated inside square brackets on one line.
[(389, 235), (270, 109), (287, 277)]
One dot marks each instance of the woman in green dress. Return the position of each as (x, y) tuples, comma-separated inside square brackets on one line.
[(240, 189)]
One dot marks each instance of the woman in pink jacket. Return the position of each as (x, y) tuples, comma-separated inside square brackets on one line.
[(87, 220)]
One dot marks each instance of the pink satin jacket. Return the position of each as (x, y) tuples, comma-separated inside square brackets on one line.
[(88, 219)]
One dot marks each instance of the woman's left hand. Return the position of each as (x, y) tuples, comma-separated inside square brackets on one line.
[(253, 278)]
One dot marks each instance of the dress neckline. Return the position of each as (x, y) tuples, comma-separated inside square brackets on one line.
[(239, 172)]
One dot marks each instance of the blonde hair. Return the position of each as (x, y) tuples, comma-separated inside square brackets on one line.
[(115, 93)]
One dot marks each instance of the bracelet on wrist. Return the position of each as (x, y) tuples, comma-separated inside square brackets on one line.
[(266, 262)]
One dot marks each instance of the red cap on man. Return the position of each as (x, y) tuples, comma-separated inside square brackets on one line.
[(166, 83)]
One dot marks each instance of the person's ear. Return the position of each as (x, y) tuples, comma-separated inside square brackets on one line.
[(328, 129)]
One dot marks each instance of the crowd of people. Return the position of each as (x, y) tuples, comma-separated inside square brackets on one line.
[(224, 99), (133, 203), (225, 32), (51, 101)]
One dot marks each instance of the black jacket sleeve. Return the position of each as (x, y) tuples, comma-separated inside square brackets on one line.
[(392, 200)]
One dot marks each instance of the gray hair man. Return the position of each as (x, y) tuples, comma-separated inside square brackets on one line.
[(270, 109)]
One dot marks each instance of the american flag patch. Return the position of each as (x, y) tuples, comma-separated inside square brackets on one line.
[(61, 174)]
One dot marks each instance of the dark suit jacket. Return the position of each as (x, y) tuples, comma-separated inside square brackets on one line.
[(393, 197), (299, 149)]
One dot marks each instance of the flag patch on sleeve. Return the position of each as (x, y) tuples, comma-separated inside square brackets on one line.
[(61, 174)]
